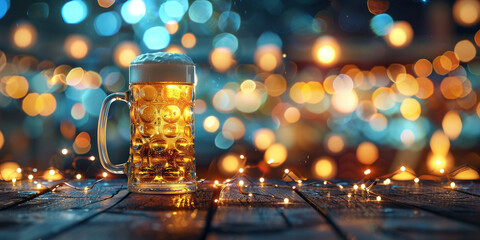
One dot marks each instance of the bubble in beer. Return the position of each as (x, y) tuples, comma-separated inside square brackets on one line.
[(171, 93), (182, 144), (148, 93), (146, 174), (172, 174), (171, 113), (187, 131), (147, 129), (137, 143), (135, 93), (170, 130), (148, 113)]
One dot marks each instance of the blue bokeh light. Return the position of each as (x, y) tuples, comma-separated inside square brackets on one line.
[(92, 100), (269, 38), (229, 21), (107, 24), (156, 38), (200, 11), (223, 142), (4, 6), (133, 11), (74, 12), (381, 24), (173, 10), (226, 40)]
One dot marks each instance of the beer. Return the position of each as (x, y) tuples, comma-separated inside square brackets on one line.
[(162, 132)]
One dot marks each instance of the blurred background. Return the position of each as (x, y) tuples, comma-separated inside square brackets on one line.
[(327, 89)]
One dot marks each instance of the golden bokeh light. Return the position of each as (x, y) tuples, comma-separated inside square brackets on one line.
[(423, 68), (68, 130), (82, 145), (248, 102), (407, 85), (466, 12), (324, 168), (342, 84), (410, 109), (248, 86), (211, 124), (366, 110), (345, 102), (467, 174), (229, 164), (378, 122), (105, 3), (233, 127), (8, 171), (452, 125), (378, 6), (77, 111), (29, 104), (76, 46), (383, 98), (275, 155), (403, 176), (326, 50), (437, 162), (263, 138), (292, 115), (16, 86), (221, 59), (407, 137), (335, 143), (171, 26), (24, 35), (174, 49), (268, 57), (400, 35), (396, 72), (275, 85), (425, 88), (465, 50), (189, 40), (439, 143), (124, 53), (224, 100), (367, 153), (45, 104), (452, 87)]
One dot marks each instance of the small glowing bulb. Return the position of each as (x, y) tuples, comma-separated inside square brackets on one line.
[(452, 185), (92, 158), (39, 185), (216, 200), (64, 151), (340, 186), (51, 172), (349, 195), (14, 180), (362, 186), (355, 186), (242, 156), (367, 172), (270, 161), (402, 168), (439, 162), (379, 198), (86, 189), (79, 176), (30, 176), (240, 183), (240, 170), (293, 187), (285, 200), (262, 179), (368, 190), (104, 174), (35, 170), (284, 55), (250, 194), (19, 170), (299, 181), (324, 182), (442, 170), (387, 181), (416, 180), (216, 182), (287, 171)]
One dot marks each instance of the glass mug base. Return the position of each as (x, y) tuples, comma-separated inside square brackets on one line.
[(162, 188)]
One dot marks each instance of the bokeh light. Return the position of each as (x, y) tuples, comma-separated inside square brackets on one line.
[(233, 127), (105, 3), (16, 86), (324, 168), (367, 153), (211, 124), (24, 35), (335, 143), (378, 6), (465, 50), (124, 53), (74, 11), (221, 59), (107, 23), (381, 24), (326, 50), (452, 125), (229, 164), (263, 138), (423, 68), (410, 109), (466, 12), (76, 46), (189, 40), (200, 11), (275, 155), (345, 102), (4, 7), (400, 35), (156, 38), (133, 11), (8, 171)]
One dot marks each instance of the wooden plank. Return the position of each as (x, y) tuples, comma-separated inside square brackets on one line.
[(363, 217), (139, 216), (262, 216), (468, 187), (12, 194), (54, 212), (434, 197)]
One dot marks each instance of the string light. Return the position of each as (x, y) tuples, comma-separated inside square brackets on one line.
[(241, 183), (242, 157), (402, 168), (250, 194), (368, 171), (355, 186), (349, 195), (39, 186), (30, 177), (92, 158), (14, 180), (287, 171), (19, 170), (240, 170), (78, 176), (379, 198), (51, 172), (262, 179), (442, 170), (299, 181), (216, 200), (216, 182), (362, 186), (452, 185), (416, 180), (104, 174), (286, 201), (387, 181), (64, 151)]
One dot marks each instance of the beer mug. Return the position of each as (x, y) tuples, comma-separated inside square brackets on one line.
[(161, 100)]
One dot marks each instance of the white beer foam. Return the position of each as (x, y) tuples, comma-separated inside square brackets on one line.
[(163, 58)]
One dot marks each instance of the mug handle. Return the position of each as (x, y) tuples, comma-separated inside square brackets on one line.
[(102, 134)]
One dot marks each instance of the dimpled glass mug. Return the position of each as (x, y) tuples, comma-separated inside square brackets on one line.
[(161, 100)]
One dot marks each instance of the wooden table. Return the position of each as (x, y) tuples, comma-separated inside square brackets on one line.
[(428, 210)]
